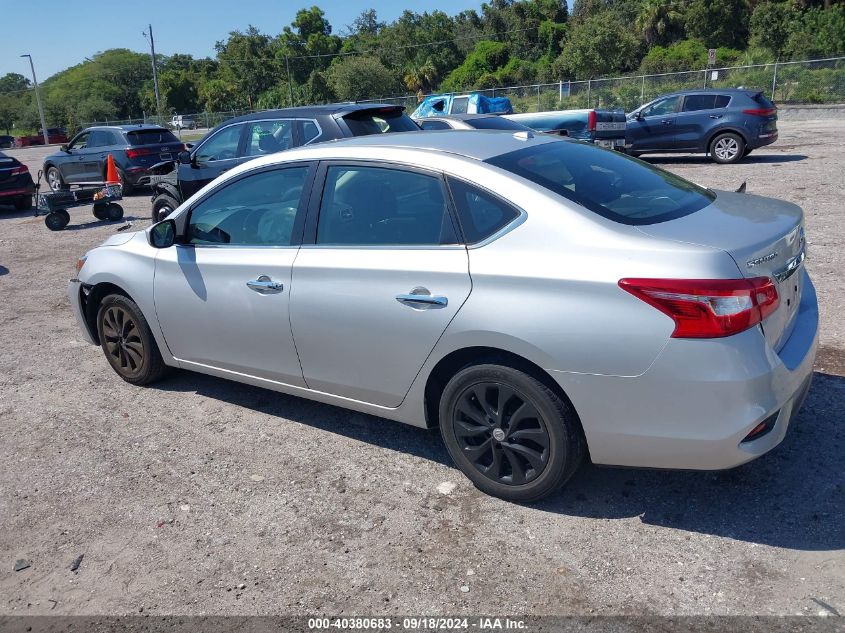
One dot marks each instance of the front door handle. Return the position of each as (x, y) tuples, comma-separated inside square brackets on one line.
[(715, 116), (418, 299), (265, 286)]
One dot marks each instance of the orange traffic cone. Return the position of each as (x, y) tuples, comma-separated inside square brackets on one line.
[(111, 172)]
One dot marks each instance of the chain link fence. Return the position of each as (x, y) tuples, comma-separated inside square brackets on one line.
[(819, 81)]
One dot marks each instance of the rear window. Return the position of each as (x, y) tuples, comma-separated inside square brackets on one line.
[(151, 137), (611, 184), (763, 100), (495, 123), (379, 121)]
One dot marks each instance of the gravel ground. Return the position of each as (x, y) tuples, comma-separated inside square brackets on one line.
[(201, 496)]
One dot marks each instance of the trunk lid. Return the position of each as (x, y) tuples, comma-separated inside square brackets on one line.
[(610, 125), (765, 237)]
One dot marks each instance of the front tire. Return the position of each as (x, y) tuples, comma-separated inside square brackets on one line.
[(727, 148), (509, 433), (163, 205), (127, 341)]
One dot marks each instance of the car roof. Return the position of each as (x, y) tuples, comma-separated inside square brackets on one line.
[(476, 144), (331, 109), (729, 91), (127, 128)]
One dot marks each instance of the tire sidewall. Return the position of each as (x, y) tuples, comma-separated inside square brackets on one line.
[(555, 416), (160, 201)]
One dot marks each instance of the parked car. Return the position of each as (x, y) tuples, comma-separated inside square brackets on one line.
[(16, 186), (183, 121), (470, 103), (727, 124), (54, 135), (605, 128), (6, 141), (244, 138), (135, 148), (536, 298), (471, 122)]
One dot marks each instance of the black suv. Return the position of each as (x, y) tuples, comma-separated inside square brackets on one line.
[(135, 149), (243, 138)]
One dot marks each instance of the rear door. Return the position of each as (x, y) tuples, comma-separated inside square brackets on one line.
[(699, 114), (655, 129), (382, 277)]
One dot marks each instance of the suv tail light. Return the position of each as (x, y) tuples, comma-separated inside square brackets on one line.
[(760, 111), (591, 120), (708, 308), (135, 153)]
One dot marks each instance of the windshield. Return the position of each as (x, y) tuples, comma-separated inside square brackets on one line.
[(496, 123), (609, 183), (151, 137), (379, 120)]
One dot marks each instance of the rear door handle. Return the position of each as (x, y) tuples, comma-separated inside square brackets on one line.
[(715, 116), (413, 299), (265, 286)]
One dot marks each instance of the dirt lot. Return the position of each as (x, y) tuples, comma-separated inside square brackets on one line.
[(205, 496)]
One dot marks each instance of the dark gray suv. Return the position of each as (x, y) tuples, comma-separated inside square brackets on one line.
[(727, 124), (135, 149)]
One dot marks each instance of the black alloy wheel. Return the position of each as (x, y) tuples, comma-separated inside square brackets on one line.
[(127, 341)]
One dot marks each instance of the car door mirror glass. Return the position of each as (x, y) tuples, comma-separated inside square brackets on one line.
[(163, 234), (184, 157)]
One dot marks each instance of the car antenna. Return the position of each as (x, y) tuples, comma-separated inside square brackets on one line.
[(741, 188)]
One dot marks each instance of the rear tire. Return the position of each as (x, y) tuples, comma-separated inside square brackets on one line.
[(54, 179), (509, 433), (163, 205), (127, 341), (727, 148), (126, 187)]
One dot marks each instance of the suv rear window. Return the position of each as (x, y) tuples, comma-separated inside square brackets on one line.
[(379, 121), (763, 100), (606, 182), (495, 123), (151, 136)]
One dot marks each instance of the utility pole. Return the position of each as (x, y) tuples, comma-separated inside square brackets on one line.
[(290, 87), (155, 70), (38, 101)]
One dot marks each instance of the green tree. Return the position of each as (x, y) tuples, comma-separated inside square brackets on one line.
[(818, 33), (354, 78), (13, 82), (770, 25), (247, 64), (597, 46), (420, 79), (660, 21), (718, 22), (486, 58)]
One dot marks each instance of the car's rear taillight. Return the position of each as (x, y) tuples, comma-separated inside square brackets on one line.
[(760, 111), (708, 308), (22, 169), (591, 120), (135, 153)]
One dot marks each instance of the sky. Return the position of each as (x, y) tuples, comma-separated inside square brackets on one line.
[(62, 33)]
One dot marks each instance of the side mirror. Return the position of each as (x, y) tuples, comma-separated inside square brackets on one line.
[(639, 116), (163, 234), (184, 157)]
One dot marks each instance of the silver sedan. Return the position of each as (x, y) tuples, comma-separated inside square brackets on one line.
[(539, 299)]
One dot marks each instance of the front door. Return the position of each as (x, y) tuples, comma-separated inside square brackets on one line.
[(222, 296), (217, 154), (655, 129), (72, 165), (380, 281)]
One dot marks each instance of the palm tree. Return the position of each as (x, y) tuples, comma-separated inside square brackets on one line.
[(658, 18), (421, 79)]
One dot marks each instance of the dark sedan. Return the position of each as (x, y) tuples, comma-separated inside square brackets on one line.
[(243, 138), (727, 124), (16, 186), (135, 148)]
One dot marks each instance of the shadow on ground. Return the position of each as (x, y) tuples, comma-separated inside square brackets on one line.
[(693, 159), (793, 497)]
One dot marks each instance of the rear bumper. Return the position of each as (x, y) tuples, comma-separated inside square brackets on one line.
[(138, 176), (17, 190), (762, 140), (700, 398)]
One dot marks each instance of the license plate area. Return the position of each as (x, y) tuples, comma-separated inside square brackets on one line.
[(166, 156)]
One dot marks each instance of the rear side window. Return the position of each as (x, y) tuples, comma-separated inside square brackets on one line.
[(496, 123), (608, 183), (309, 130), (481, 214), (693, 103), (722, 101), (151, 137), (379, 121), (434, 125)]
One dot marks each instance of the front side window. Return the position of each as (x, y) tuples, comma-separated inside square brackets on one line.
[(608, 183), (81, 141), (662, 107), (269, 137), (382, 206), (481, 214), (222, 146), (258, 210)]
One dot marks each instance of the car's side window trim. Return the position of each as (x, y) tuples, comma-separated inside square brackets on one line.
[(309, 237), (301, 131), (184, 219)]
